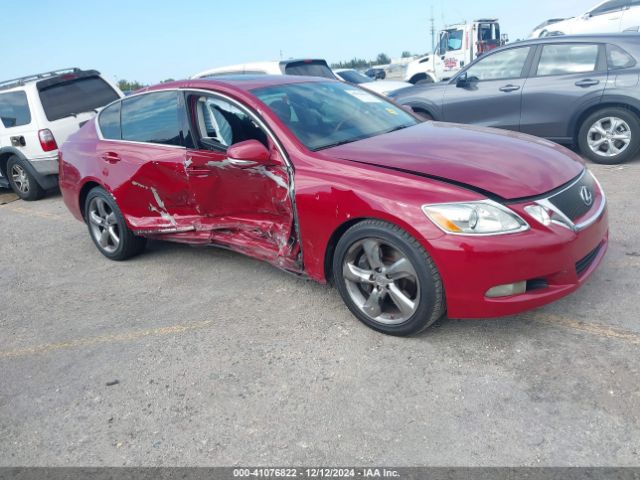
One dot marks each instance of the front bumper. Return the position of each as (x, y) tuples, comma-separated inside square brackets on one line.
[(554, 259)]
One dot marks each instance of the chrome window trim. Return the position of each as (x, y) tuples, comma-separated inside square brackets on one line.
[(96, 121)]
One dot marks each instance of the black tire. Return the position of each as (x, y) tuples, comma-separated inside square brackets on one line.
[(430, 304), (421, 79), (423, 114), (129, 245), (28, 187), (632, 121)]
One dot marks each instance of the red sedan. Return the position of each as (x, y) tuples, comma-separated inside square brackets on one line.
[(409, 220)]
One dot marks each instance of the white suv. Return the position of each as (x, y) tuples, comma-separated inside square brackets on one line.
[(38, 113), (610, 16), (314, 67)]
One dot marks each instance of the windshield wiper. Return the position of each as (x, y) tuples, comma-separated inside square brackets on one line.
[(341, 142)]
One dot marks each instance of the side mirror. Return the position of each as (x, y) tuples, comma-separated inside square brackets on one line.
[(465, 81), (249, 153)]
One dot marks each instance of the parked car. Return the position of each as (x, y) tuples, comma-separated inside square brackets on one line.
[(383, 87), (38, 113), (610, 16), (329, 181), (376, 73), (310, 67), (580, 90)]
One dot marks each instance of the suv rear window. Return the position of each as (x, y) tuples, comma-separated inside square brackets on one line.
[(312, 68), (14, 109), (76, 96)]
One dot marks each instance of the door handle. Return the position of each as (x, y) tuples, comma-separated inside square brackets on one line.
[(510, 88), (111, 157), (587, 82)]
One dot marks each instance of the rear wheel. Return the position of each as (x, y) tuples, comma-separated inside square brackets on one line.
[(387, 279), (610, 136), (108, 228), (22, 182)]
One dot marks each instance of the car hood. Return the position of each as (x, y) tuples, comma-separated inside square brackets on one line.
[(502, 163), (385, 86)]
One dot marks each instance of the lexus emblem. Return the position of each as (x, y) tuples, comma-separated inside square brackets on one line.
[(586, 195)]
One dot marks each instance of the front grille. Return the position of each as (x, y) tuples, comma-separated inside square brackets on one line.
[(571, 203), (584, 262)]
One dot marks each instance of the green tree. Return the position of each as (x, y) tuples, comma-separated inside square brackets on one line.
[(382, 59), (168, 80), (126, 85), (406, 54)]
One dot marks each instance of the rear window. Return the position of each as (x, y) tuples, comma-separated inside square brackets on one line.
[(109, 122), (313, 68), (76, 96), (14, 109), (617, 58)]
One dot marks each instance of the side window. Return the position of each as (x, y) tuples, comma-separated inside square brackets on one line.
[(153, 118), (455, 40), (109, 122), (609, 7), (567, 58), (499, 66), (14, 109), (223, 122), (617, 58)]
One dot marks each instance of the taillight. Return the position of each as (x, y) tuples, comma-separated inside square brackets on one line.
[(47, 140)]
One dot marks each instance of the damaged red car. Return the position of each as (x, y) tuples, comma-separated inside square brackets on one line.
[(408, 220)]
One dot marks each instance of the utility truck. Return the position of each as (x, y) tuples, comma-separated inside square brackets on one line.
[(457, 46)]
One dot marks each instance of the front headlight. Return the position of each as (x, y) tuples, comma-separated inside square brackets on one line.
[(474, 218)]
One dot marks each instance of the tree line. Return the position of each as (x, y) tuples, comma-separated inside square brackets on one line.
[(361, 63)]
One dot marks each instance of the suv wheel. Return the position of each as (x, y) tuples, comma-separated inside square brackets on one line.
[(610, 136), (387, 279), (22, 182), (108, 229)]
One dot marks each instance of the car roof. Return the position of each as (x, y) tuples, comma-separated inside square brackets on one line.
[(588, 38), (271, 66), (32, 79), (238, 82)]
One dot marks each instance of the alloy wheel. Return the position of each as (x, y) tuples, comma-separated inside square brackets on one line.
[(20, 178), (381, 281), (609, 136), (104, 225)]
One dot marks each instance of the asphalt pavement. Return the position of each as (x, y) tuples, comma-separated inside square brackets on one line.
[(200, 356)]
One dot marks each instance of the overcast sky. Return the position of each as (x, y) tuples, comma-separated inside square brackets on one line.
[(150, 41)]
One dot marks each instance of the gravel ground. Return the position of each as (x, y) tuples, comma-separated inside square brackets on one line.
[(200, 356)]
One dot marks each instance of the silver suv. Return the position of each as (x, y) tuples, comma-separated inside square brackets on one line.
[(37, 114)]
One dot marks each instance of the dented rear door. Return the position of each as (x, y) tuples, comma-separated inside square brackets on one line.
[(148, 164)]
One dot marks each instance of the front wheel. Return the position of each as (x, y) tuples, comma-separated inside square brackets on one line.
[(387, 279), (610, 136), (108, 228)]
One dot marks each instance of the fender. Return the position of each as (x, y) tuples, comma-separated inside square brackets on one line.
[(45, 181), (430, 107), (603, 102)]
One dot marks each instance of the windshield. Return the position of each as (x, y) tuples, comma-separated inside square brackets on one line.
[(352, 76), (326, 114), (76, 96)]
